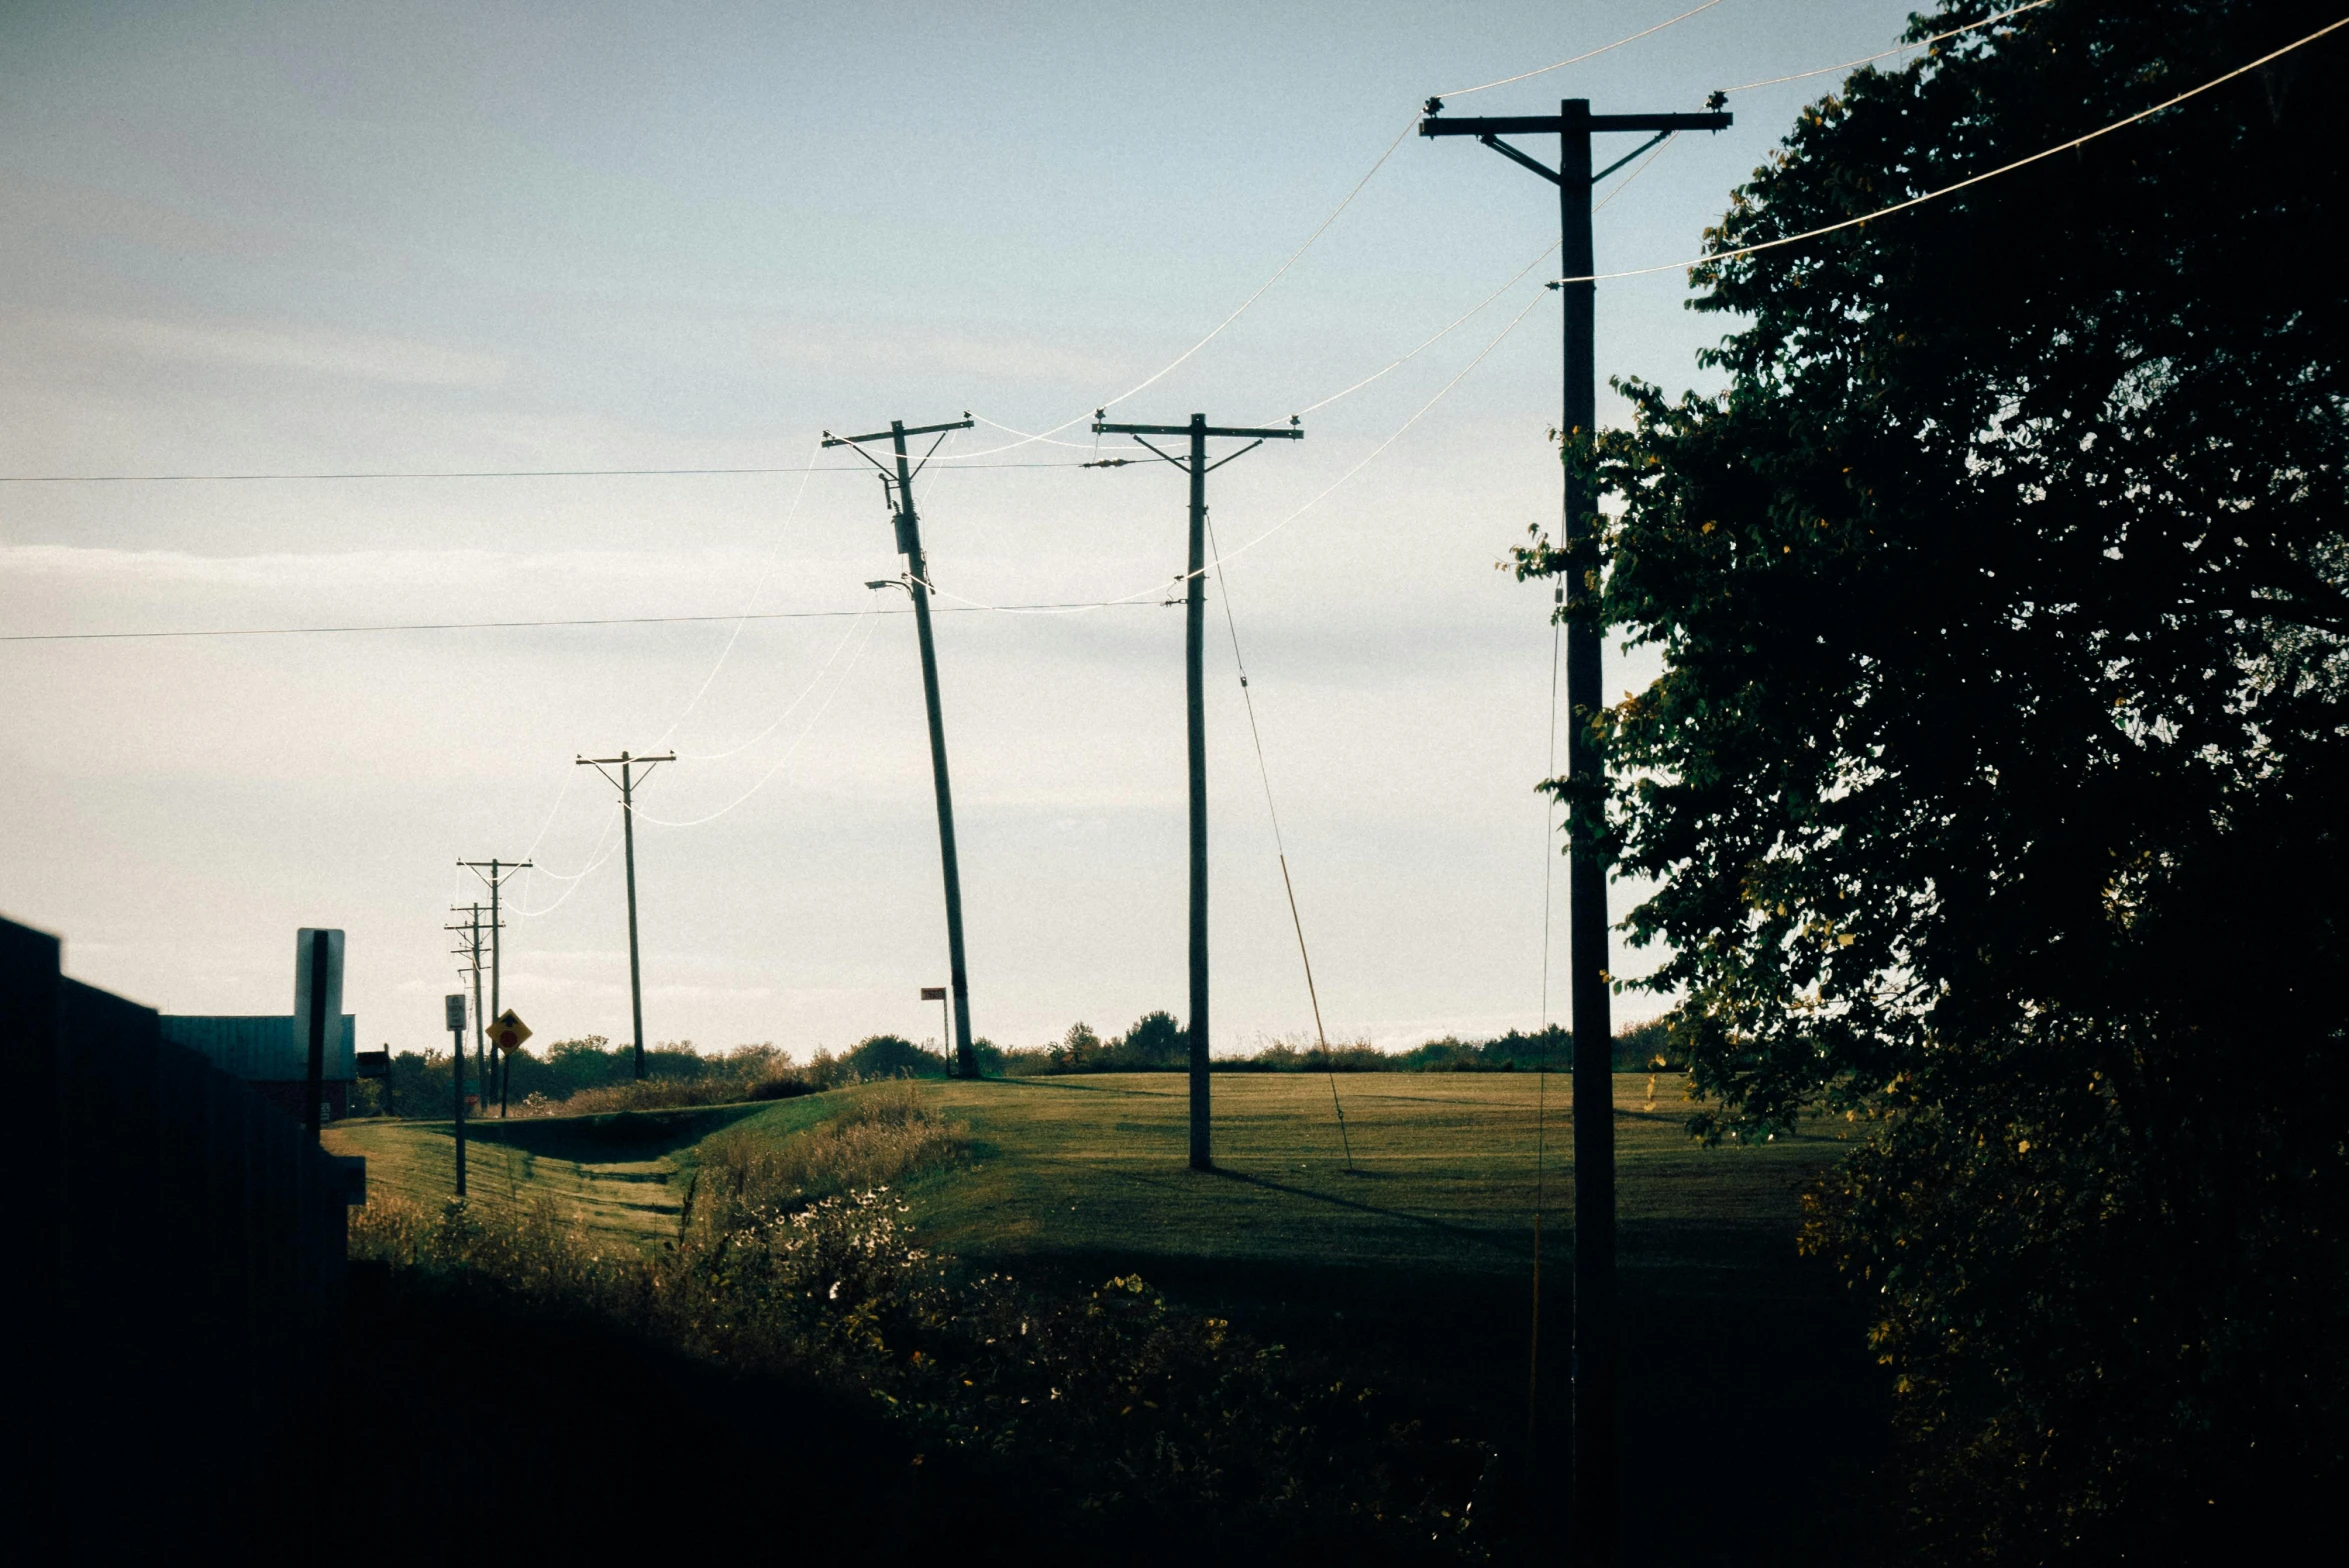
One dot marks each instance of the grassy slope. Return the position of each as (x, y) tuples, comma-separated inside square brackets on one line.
[(1748, 1401), (617, 1172)]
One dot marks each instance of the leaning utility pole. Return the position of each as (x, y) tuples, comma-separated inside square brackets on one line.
[(627, 782), (495, 872), (480, 1018), (1597, 1495), (917, 583), (1194, 639)]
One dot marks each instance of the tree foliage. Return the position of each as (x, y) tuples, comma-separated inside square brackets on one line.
[(1992, 787)]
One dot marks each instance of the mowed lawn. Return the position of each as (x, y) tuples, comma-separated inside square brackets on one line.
[(1752, 1416)]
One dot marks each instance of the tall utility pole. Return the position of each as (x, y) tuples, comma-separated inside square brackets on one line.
[(1194, 641), (627, 782), (495, 872), (1597, 1505), (917, 583), (480, 1019)]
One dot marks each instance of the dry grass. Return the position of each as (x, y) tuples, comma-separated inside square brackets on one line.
[(885, 1135)]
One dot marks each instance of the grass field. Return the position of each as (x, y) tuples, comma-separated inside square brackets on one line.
[(1747, 1395)]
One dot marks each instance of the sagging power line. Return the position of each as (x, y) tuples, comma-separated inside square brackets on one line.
[(1195, 464), (898, 486)]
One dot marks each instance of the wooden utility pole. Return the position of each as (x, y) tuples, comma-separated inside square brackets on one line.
[(471, 949), (917, 583), (1195, 464), (495, 872), (627, 783), (1597, 1505)]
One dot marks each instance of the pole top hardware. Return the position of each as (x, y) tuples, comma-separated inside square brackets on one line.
[(1534, 124), (963, 423), (1294, 432)]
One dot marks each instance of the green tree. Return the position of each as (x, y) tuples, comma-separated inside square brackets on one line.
[(1156, 1040), (1992, 786)]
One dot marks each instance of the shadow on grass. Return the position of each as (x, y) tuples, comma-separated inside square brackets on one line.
[(1469, 1233), (620, 1137)]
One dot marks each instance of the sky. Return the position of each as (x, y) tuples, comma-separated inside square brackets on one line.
[(478, 239)]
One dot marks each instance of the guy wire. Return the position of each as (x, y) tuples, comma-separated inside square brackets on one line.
[(1280, 849)]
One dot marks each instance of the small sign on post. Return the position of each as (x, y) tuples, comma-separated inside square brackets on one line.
[(937, 993), (508, 1033), (456, 1017)]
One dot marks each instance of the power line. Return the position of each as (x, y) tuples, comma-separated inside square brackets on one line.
[(479, 473), (788, 752), (1922, 43), (1964, 184), (483, 626), (1590, 54)]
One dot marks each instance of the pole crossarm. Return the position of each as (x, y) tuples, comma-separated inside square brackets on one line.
[(1291, 433), (964, 423), (1552, 124)]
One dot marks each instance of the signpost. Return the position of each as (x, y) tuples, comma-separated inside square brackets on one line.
[(507, 1034), (937, 993), (318, 1006), (456, 1021)]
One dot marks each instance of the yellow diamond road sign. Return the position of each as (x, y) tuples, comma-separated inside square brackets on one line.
[(509, 1031)]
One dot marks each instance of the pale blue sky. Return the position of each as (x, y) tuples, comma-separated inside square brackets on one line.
[(322, 238)]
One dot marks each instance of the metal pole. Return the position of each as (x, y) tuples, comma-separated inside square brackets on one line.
[(317, 1076), (966, 1062), (457, 1077), (635, 971), (1195, 711), (1597, 1463)]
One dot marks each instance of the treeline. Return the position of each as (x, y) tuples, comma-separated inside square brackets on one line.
[(1157, 1043), (594, 1075)]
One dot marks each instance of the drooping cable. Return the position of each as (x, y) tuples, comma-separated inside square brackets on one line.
[(766, 574), (1140, 594), (483, 473), (1871, 59), (1129, 602), (789, 751), (1588, 54), (1281, 849), (816, 680)]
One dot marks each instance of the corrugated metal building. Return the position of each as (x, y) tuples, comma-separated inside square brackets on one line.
[(264, 1052)]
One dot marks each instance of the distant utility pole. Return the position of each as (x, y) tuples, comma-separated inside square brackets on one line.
[(1194, 626), (1597, 1496), (899, 486), (472, 949), (627, 783), (495, 872)]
